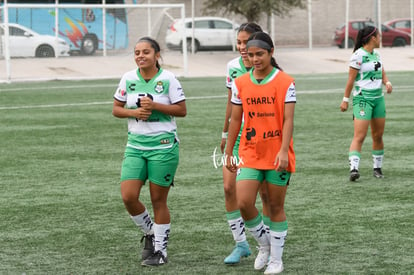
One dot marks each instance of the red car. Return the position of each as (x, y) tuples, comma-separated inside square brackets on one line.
[(390, 37), (402, 24)]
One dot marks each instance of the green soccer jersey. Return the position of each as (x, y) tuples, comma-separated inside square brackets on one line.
[(235, 68), (368, 82), (159, 130)]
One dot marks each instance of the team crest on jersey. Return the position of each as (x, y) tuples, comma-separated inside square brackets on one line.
[(159, 88), (362, 112)]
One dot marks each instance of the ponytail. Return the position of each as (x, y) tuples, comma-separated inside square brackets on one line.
[(364, 35), (274, 63)]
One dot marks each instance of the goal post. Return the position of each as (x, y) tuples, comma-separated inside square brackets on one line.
[(139, 21)]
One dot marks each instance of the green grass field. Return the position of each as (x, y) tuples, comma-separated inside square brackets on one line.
[(61, 211)]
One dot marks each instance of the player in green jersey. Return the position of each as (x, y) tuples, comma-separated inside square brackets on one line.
[(235, 68), (366, 77), (150, 98)]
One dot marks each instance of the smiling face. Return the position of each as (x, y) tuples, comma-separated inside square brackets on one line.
[(242, 38), (260, 59), (145, 55)]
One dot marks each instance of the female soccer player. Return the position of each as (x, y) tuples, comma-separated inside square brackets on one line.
[(265, 98), (367, 73), (150, 98), (235, 68)]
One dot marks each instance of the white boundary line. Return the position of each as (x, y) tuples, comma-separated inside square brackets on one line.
[(328, 91)]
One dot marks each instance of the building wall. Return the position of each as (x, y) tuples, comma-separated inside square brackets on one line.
[(290, 30)]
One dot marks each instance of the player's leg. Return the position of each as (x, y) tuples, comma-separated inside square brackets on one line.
[(133, 176), (233, 216), (277, 187), (362, 115), (248, 183), (162, 165), (265, 205), (377, 132), (162, 225)]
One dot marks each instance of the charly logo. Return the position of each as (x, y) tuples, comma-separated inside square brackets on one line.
[(220, 160)]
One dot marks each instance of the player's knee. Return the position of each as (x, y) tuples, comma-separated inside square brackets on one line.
[(276, 208), (359, 139), (244, 205), (158, 201), (229, 190), (129, 198), (377, 137)]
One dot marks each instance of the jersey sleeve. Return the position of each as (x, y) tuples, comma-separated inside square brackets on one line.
[(356, 60), (235, 95), (229, 80), (291, 94), (176, 92), (120, 93)]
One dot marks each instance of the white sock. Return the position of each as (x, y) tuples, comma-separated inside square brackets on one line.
[(354, 162), (144, 222), (276, 245), (260, 234), (237, 229), (161, 235), (377, 160)]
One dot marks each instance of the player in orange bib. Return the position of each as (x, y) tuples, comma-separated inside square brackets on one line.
[(265, 97)]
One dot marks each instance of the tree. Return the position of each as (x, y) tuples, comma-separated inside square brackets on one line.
[(251, 9)]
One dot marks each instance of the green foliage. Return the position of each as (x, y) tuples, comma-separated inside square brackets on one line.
[(61, 211), (252, 10)]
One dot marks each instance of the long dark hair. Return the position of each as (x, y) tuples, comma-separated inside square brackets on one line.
[(264, 37), (249, 27), (154, 44), (364, 35)]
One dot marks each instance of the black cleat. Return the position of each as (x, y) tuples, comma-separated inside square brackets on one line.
[(148, 246), (156, 259), (354, 175), (378, 173)]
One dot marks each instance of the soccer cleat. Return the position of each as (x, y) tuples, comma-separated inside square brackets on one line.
[(148, 246), (262, 257), (354, 175), (240, 250), (274, 267), (378, 173), (156, 259)]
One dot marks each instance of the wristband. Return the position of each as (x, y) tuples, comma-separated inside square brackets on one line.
[(224, 135), (388, 83), (345, 99)]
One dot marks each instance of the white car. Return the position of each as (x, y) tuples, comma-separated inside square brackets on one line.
[(24, 42), (209, 33)]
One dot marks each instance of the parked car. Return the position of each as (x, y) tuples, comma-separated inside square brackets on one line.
[(24, 42), (402, 24), (390, 37), (209, 33)]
